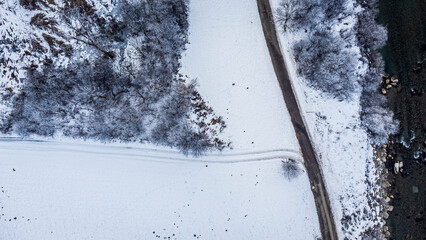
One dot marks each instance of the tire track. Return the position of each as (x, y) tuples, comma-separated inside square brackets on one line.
[(148, 154)]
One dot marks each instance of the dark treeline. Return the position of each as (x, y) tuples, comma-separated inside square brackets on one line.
[(128, 89)]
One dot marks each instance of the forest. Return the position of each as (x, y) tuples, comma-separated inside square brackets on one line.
[(111, 73)]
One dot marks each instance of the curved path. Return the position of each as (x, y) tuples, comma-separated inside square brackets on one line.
[(325, 215)]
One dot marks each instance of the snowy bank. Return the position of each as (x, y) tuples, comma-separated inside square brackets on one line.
[(341, 143)]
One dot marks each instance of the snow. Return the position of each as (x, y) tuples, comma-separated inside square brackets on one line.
[(70, 189), (75, 190), (229, 57), (120, 192), (341, 143)]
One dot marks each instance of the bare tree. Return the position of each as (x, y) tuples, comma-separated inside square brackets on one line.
[(293, 15)]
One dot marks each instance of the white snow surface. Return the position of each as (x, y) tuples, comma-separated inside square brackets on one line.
[(85, 190), (71, 190), (229, 57)]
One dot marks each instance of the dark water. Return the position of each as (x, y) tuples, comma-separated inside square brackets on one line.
[(405, 56)]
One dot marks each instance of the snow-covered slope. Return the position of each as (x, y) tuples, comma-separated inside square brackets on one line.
[(51, 191), (228, 55)]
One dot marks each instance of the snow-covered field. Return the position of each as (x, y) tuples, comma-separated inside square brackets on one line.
[(51, 191), (228, 55), (75, 190)]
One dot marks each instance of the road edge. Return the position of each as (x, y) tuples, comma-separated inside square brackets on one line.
[(322, 202)]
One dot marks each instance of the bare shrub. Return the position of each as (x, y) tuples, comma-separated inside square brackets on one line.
[(291, 169)]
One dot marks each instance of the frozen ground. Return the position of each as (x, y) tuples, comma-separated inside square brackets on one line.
[(51, 191), (74, 190), (228, 55), (342, 145)]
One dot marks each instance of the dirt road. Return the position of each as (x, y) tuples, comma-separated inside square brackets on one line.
[(327, 225)]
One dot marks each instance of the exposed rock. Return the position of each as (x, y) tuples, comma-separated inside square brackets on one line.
[(384, 75), (385, 215), (396, 168)]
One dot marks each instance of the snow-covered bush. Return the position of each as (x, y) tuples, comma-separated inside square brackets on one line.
[(322, 56), (325, 64)]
